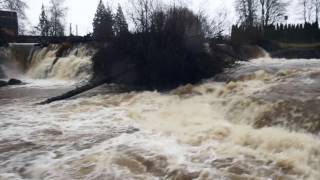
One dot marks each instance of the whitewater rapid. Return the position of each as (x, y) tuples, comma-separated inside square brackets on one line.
[(262, 122)]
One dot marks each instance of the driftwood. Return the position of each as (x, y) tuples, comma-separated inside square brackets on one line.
[(81, 89), (74, 92)]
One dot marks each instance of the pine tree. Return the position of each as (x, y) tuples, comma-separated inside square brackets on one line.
[(120, 23), (43, 26), (103, 23)]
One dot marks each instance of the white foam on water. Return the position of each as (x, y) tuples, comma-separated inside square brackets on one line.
[(204, 131), (77, 65)]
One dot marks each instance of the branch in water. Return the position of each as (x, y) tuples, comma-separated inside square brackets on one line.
[(82, 89)]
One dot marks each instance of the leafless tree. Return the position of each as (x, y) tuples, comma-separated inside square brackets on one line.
[(307, 9), (141, 13), (18, 6), (57, 12), (316, 4), (216, 25), (247, 12), (272, 11), (304, 3)]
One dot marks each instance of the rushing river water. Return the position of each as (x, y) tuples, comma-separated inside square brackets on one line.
[(263, 124)]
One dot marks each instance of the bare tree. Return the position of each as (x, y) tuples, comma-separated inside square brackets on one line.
[(304, 3), (247, 11), (215, 26), (18, 6), (57, 15), (307, 9), (316, 4), (272, 11), (141, 13)]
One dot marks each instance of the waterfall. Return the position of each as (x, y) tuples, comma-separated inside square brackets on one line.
[(56, 61)]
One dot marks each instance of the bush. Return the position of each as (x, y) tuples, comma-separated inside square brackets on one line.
[(170, 53)]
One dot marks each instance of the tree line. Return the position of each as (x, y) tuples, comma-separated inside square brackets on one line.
[(107, 25), (270, 12), (298, 33), (164, 47), (51, 20), (265, 19), (260, 12)]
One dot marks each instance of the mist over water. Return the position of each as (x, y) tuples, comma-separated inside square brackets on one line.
[(261, 124)]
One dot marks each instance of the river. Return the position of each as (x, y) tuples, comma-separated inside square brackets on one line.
[(263, 123)]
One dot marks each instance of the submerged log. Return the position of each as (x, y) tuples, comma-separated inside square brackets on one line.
[(75, 92), (81, 89)]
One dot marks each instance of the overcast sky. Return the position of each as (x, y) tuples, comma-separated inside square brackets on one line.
[(81, 12)]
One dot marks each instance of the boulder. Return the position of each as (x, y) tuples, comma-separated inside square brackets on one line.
[(14, 82)]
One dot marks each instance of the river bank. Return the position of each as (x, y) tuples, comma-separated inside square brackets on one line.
[(291, 50)]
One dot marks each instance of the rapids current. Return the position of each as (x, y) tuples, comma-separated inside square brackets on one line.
[(263, 123)]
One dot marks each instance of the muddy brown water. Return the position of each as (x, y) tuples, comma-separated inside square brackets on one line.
[(264, 124)]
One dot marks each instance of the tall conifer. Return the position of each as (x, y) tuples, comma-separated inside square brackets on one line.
[(120, 23), (103, 23), (44, 25)]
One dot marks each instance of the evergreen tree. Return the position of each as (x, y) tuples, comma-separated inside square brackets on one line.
[(44, 24), (120, 23), (103, 23)]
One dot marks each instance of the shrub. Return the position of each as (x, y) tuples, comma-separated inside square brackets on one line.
[(170, 53)]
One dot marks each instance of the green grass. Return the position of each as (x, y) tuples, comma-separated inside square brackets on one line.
[(299, 45)]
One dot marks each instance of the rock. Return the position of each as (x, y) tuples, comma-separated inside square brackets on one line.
[(3, 83), (11, 82), (14, 82)]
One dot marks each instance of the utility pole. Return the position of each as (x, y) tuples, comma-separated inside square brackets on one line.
[(70, 33), (77, 30)]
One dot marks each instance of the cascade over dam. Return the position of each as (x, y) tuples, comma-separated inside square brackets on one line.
[(262, 122), (56, 61)]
